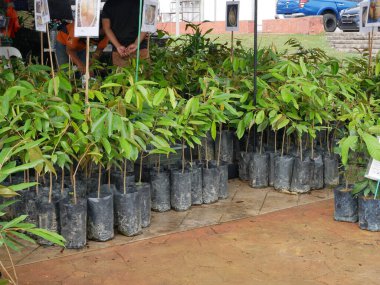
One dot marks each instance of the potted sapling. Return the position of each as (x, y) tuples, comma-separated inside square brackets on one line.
[(259, 165)]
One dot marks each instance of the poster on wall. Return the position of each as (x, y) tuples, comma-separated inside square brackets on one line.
[(87, 17), (232, 16), (150, 14), (373, 16), (363, 16), (41, 14)]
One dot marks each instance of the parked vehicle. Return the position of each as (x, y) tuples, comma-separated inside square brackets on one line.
[(349, 20), (329, 9)]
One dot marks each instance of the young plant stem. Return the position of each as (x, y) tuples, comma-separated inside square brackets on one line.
[(220, 144), (109, 178), (7, 273), (99, 178), (283, 143), (27, 177), (191, 157), (87, 111), (51, 60), (125, 177), (159, 163), (206, 153), (12, 263), (141, 167), (301, 154), (261, 142), (183, 156), (288, 144), (37, 181), (275, 142), (199, 153), (50, 186), (62, 180), (247, 141)]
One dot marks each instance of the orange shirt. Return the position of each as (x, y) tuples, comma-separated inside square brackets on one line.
[(68, 39)]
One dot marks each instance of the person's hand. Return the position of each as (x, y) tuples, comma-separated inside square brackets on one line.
[(132, 48), (122, 50)]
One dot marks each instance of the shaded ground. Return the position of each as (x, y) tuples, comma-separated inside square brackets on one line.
[(301, 245)]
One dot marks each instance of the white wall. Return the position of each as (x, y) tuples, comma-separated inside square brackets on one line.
[(266, 9)]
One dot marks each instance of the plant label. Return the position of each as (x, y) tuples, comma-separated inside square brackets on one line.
[(373, 171), (87, 18), (232, 16), (150, 14)]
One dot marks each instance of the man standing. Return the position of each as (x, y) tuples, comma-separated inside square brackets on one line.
[(121, 25)]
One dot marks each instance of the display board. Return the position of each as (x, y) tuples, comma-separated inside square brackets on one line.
[(373, 15), (373, 171), (150, 14), (87, 18), (41, 14), (232, 16)]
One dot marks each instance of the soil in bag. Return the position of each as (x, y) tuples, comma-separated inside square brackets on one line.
[(180, 195), (259, 170), (146, 203), (128, 207), (223, 180), (196, 185), (346, 205), (73, 218), (211, 183), (302, 173), (160, 186), (283, 172), (226, 146), (331, 170), (272, 158), (100, 217), (244, 160), (369, 214), (48, 217), (317, 181)]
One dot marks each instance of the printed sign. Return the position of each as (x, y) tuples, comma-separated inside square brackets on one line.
[(232, 16), (150, 13), (87, 18), (373, 171)]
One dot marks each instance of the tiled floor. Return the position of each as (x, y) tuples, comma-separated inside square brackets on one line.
[(243, 202)]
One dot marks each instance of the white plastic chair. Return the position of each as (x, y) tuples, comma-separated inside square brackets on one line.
[(9, 52)]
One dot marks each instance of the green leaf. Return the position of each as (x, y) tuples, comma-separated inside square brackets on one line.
[(110, 85), (347, 144), (106, 144), (7, 192), (23, 167), (14, 222), (260, 117), (126, 147), (22, 186), (173, 100), (99, 123), (159, 97), (373, 145), (213, 130), (303, 66)]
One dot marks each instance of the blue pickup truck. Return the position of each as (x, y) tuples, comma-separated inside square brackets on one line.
[(329, 9)]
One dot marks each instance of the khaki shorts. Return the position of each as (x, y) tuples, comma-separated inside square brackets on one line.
[(125, 61)]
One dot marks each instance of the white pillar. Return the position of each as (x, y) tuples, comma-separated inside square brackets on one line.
[(177, 28)]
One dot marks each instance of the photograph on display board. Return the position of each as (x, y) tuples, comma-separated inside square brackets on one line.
[(373, 18), (150, 13), (87, 18), (232, 16), (44, 6)]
